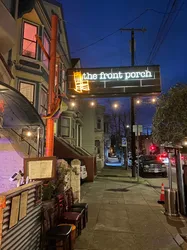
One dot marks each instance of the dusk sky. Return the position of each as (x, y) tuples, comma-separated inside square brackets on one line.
[(88, 21)]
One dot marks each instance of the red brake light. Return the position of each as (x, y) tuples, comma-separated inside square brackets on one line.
[(152, 147), (164, 155)]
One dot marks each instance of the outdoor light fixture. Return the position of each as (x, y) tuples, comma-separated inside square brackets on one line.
[(127, 126), (138, 101), (115, 105), (73, 104), (92, 104), (29, 134)]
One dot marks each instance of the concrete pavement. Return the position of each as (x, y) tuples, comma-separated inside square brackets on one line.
[(125, 215)]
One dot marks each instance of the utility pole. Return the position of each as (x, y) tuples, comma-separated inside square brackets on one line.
[(51, 87), (133, 150), (52, 94)]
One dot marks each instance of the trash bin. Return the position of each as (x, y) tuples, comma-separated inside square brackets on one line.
[(171, 202), (73, 233)]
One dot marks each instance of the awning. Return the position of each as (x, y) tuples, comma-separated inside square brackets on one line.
[(18, 111)]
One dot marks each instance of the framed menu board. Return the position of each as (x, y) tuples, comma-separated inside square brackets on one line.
[(41, 168)]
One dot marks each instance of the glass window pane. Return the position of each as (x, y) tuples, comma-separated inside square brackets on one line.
[(47, 48), (65, 122), (43, 102), (29, 48), (65, 131), (30, 31), (28, 91)]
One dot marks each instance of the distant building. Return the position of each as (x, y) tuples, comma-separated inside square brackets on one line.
[(93, 131)]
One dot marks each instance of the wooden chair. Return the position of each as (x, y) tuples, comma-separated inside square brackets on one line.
[(77, 205), (55, 234), (68, 217)]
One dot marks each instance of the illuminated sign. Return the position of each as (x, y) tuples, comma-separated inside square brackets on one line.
[(119, 75), (117, 81), (80, 84)]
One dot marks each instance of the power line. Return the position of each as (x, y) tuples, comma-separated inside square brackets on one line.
[(159, 30), (163, 27), (163, 30), (111, 34), (163, 39)]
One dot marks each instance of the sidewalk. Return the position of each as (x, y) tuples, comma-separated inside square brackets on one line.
[(125, 215)]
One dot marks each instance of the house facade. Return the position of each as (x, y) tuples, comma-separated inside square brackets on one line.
[(93, 131)]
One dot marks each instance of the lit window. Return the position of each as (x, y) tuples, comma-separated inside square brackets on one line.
[(27, 90), (29, 47), (47, 48)]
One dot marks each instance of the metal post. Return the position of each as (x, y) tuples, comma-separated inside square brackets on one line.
[(132, 112), (138, 155), (180, 182), (132, 98), (170, 171), (51, 94), (38, 141)]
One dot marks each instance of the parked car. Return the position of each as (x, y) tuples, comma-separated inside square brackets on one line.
[(113, 159), (151, 164), (83, 172)]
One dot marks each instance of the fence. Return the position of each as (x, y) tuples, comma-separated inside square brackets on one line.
[(20, 218)]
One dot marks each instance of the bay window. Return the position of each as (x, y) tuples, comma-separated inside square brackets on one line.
[(29, 44), (65, 127), (43, 102), (28, 90), (46, 44), (62, 80)]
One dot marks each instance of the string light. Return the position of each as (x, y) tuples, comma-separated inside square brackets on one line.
[(138, 101), (153, 100)]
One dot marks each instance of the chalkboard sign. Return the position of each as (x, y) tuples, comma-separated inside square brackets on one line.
[(41, 168)]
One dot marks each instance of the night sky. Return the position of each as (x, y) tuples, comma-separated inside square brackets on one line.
[(87, 21)]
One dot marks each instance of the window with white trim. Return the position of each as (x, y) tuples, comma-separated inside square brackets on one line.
[(29, 44), (65, 127), (28, 90)]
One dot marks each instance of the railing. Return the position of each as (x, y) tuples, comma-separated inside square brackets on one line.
[(29, 145)]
